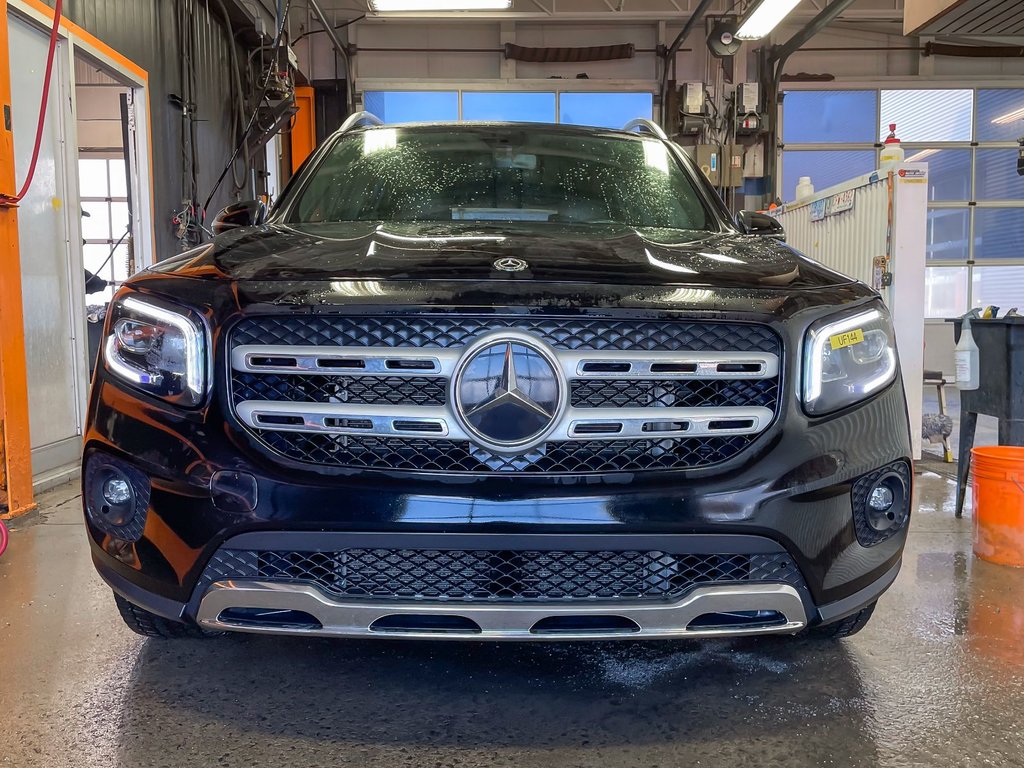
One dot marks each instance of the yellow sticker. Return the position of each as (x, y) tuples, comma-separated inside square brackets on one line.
[(848, 339)]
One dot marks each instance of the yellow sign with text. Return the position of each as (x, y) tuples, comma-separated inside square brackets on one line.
[(848, 339)]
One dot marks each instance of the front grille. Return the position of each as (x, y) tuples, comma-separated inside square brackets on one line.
[(718, 393), (394, 390), (499, 575), (375, 392), (446, 331), (569, 456)]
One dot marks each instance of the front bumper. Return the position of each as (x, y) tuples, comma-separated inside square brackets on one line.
[(792, 488)]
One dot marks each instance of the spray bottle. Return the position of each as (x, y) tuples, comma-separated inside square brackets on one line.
[(892, 153), (968, 373)]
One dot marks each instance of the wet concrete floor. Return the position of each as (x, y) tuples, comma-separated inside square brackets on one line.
[(936, 679)]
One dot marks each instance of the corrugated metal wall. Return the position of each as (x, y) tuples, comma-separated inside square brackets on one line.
[(849, 241), (146, 31)]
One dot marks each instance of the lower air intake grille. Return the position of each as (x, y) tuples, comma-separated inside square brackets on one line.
[(502, 576)]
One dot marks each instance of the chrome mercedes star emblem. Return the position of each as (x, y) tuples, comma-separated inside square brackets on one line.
[(508, 393), (510, 264)]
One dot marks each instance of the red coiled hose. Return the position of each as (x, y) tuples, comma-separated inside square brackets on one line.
[(3, 537), (12, 200)]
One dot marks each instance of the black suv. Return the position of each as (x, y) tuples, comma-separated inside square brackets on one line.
[(496, 381)]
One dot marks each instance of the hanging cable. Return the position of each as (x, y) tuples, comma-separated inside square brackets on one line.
[(8, 200), (238, 104), (252, 119), (344, 24)]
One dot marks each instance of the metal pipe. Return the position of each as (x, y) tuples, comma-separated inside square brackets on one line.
[(814, 26), (341, 49), (673, 49), (776, 61), (365, 49), (974, 51)]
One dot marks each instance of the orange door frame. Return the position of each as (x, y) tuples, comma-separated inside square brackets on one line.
[(303, 133), (15, 440), (16, 444)]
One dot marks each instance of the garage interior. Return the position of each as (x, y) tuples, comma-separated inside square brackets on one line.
[(157, 114)]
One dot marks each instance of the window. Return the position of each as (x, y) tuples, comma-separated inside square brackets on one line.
[(968, 139), (927, 115), (509, 106), (532, 178), (999, 286), (604, 110), (103, 185), (949, 234), (945, 291), (826, 168), (819, 117), (949, 172), (996, 175), (413, 106), (1000, 115), (601, 109), (998, 233)]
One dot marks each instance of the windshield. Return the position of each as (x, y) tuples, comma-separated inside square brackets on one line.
[(500, 174)]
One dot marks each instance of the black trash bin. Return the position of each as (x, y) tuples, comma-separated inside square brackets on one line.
[(1000, 392)]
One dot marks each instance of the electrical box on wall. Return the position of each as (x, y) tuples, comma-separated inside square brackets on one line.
[(732, 166), (708, 161), (748, 97), (748, 105), (693, 98), (692, 107), (753, 162)]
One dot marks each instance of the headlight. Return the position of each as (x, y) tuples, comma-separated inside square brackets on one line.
[(159, 348), (847, 360)]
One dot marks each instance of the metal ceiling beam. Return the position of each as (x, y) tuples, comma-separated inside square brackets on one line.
[(813, 27)]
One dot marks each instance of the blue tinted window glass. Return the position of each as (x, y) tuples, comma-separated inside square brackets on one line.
[(604, 110), (508, 106), (1000, 115), (998, 233), (826, 168), (817, 117), (996, 176), (1001, 286), (413, 106), (928, 115), (949, 172), (949, 232)]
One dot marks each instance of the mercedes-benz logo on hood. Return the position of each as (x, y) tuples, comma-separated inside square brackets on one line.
[(508, 393), (510, 264)]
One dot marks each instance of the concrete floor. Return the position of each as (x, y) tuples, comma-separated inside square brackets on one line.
[(936, 679)]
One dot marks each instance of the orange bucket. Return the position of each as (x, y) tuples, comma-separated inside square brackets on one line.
[(999, 504)]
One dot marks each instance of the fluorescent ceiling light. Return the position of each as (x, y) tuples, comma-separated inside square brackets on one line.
[(763, 17), (440, 5), (1010, 117), (921, 155)]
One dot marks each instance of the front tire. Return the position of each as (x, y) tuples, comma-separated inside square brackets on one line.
[(142, 622), (846, 627)]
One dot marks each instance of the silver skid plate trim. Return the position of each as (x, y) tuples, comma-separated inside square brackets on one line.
[(501, 621)]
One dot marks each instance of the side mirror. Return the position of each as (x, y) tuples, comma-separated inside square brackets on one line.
[(754, 223), (244, 214)]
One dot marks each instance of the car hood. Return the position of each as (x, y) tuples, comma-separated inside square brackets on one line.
[(608, 255)]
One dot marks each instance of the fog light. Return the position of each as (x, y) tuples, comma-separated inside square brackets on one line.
[(117, 490), (881, 498), (116, 496), (881, 503)]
